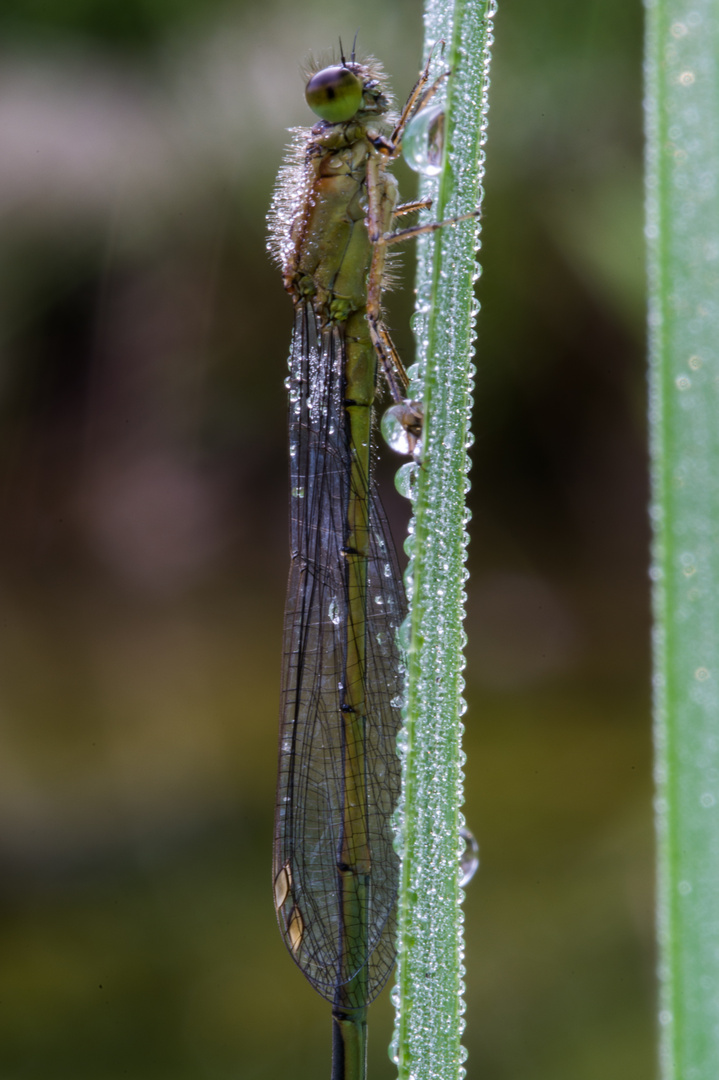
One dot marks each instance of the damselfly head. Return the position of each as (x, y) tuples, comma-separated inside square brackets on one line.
[(334, 94), (337, 92)]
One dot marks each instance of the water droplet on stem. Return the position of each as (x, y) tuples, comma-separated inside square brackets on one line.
[(423, 143)]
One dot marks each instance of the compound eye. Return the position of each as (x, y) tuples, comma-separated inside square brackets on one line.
[(334, 94)]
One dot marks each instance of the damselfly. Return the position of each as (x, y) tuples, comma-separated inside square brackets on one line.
[(335, 867)]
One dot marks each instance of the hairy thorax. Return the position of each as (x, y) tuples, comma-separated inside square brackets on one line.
[(331, 242)]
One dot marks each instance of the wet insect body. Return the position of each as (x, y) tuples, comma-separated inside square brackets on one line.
[(335, 867)]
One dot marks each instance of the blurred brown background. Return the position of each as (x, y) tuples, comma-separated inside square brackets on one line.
[(143, 548)]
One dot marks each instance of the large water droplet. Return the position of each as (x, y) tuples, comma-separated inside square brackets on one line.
[(402, 427), (469, 857), (423, 142)]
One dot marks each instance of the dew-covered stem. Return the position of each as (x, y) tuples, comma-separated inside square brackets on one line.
[(429, 987), (682, 95)]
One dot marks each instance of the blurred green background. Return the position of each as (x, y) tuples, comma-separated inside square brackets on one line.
[(143, 551)]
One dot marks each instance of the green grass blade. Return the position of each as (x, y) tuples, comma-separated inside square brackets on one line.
[(429, 981), (683, 230)]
